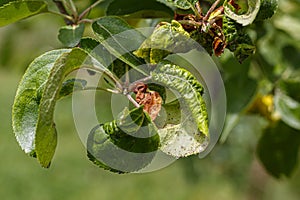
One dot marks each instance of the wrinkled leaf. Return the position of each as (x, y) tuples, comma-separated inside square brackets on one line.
[(177, 131), (70, 35), (245, 18), (237, 39), (288, 109), (183, 4), (136, 9), (166, 39), (119, 39), (18, 10), (195, 123), (125, 145), (25, 110), (278, 149), (267, 9)]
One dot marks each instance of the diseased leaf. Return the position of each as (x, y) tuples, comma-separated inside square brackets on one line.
[(267, 9), (126, 144), (237, 39), (18, 10), (177, 131), (288, 109), (193, 128), (46, 137), (25, 110), (183, 4), (278, 149), (70, 35), (149, 99), (246, 18), (166, 39), (119, 39), (136, 9)]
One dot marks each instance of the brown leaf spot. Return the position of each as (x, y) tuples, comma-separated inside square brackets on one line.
[(151, 100), (219, 46)]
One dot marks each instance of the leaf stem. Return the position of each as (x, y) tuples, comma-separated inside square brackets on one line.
[(190, 22), (89, 9), (62, 9), (64, 16), (199, 9), (132, 101), (102, 89), (195, 10), (73, 9), (211, 9), (108, 73)]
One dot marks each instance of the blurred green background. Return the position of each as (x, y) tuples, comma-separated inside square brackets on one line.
[(231, 171)]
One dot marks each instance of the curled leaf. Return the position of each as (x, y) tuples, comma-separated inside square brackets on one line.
[(165, 39), (237, 40), (231, 10), (25, 109), (267, 9), (178, 136), (126, 144), (194, 120), (46, 137)]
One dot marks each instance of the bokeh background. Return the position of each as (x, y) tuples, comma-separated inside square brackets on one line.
[(231, 171)]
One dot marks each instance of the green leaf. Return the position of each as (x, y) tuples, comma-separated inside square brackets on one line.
[(183, 4), (46, 137), (288, 109), (97, 50), (70, 35), (17, 10), (36, 97), (126, 144), (119, 39), (166, 39), (237, 39), (245, 18), (3, 2), (136, 9), (267, 9), (291, 87), (190, 90), (71, 85), (25, 109), (240, 89), (278, 149)]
